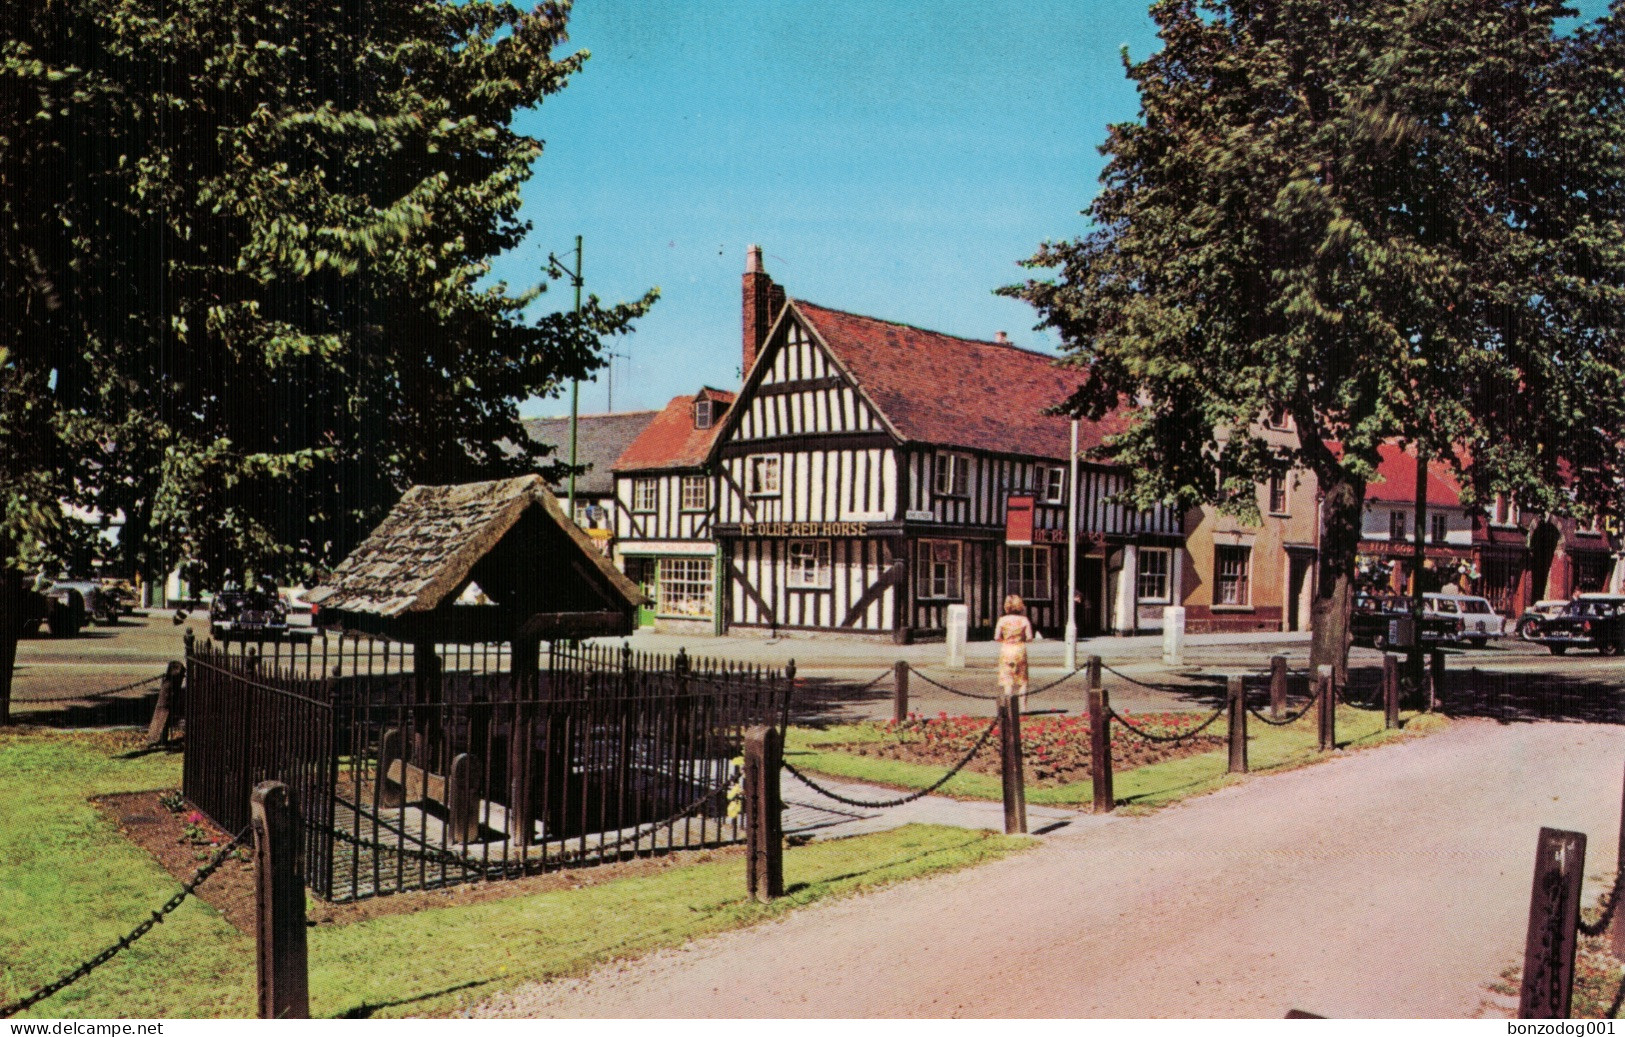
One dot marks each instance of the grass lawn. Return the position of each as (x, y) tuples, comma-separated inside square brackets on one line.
[(1268, 748), (70, 884)]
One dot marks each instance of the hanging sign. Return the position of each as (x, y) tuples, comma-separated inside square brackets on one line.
[(1018, 519)]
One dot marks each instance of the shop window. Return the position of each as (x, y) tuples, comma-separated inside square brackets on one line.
[(1152, 582), (1027, 572), (937, 573), (1232, 566), (685, 588), (645, 495), (809, 565)]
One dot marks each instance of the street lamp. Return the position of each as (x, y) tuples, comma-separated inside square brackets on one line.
[(558, 269), (1072, 555)]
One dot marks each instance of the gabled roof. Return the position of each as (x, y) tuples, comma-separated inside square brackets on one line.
[(600, 439), (420, 556), (940, 389), (671, 440), (1396, 479)]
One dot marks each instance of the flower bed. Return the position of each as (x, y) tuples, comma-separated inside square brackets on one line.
[(1056, 749)]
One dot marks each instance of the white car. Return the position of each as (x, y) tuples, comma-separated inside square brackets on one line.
[(301, 613), (1479, 620)]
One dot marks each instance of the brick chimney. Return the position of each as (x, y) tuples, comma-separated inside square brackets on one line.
[(763, 301), (1001, 338)]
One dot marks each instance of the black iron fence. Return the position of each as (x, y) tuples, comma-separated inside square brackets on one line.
[(422, 769)]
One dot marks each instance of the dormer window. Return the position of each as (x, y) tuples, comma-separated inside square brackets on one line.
[(702, 414)]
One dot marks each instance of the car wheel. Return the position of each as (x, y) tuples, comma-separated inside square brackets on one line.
[(1529, 629), (1609, 648), (1558, 649)]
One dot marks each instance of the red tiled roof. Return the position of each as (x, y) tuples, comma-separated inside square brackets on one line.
[(1396, 479), (935, 388), (671, 440)]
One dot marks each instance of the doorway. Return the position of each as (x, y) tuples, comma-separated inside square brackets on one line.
[(1091, 596), (644, 572)]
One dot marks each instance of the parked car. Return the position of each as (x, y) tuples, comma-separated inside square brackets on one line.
[(1529, 623), (98, 607), (247, 615), (1375, 621), (121, 595), (1479, 620), (1590, 621), (301, 613), (65, 610)]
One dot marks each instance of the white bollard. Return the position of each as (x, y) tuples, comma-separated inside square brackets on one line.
[(958, 630), (1173, 635)]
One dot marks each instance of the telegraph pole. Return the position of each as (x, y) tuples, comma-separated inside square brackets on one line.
[(1072, 555), (560, 270)]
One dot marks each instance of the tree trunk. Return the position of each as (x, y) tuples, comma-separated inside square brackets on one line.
[(1342, 506), (13, 605)]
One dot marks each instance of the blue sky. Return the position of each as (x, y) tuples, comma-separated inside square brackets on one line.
[(892, 159)]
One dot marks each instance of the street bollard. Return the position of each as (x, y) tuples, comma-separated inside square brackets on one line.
[(899, 710), (764, 826), (1011, 774), (1277, 686), (1390, 692), (1554, 918), (169, 698), (1100, 749), (1435, 686), (1327, 707)]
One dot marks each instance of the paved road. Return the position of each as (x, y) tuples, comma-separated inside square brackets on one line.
[(1387, 883)]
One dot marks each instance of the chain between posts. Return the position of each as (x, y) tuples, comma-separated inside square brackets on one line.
[(1149, 737), (956, 691), (903, 800), (187, 889), (93, 694), (1291, 718)]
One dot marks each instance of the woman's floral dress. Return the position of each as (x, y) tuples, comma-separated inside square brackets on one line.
[(1013, 633)]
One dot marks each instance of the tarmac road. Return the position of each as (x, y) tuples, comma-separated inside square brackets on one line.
[(1387, 883)]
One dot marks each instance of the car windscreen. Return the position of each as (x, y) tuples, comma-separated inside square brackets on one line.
[(1477, 606)]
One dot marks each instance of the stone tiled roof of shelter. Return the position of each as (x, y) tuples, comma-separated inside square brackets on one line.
[(941, 389), (671, 440), (600, 440), (420, 556)]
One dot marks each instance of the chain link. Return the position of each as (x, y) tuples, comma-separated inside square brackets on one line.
[(1149, 737), (901, 801), (91, 695), (1290, 719), (1600, 926), (956, 691), (1153, 687), (201, 876)]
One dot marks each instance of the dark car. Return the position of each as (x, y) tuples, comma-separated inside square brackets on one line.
[(247, 615), (1376, 621), (1590, 621), (95, 605)]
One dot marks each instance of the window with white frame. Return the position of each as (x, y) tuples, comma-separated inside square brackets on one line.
[(951, 475), (1396, 525), (645, 495), (1279, 420), (809, 565), (1232, 567), (1439, 524), (685, 588), (938, 569), (1054, 484), (1278, 493), (702, 413), (696, 494), (1026, 572), (762, 476), (1156, 565)]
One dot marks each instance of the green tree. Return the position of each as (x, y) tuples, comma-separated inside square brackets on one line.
[(246, 247), (1388, 218)]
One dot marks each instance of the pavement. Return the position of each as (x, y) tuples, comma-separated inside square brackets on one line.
[(1392, 882)]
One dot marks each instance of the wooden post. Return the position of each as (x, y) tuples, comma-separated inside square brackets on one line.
[(1435, 679), (1390, 691), (764, 827), (1092, 665), (1277, 686), (1238, 725), (462, 799), (1327, 706), (1010, 769), (279, 887), (1616, 924), (169, 695), (522, 744), (899, 709), (1100, 748), (1554, 917), (387, 792)]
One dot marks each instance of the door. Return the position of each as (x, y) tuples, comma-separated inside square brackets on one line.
[(1091, 596), (644, 572)]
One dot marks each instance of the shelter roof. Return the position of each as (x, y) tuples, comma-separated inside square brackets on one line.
[(420, 556)]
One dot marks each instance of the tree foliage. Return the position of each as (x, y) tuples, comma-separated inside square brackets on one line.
[(245, 248), (1386, 218)]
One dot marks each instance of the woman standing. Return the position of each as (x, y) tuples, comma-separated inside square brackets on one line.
[(1013, 632)]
